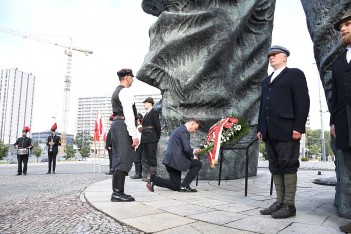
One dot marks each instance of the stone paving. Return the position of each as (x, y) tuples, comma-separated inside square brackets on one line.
[(224, 208), (76, 200), (52, 204)]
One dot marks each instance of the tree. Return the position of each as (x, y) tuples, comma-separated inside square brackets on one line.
[(69, 152), (263, 149), (36, 143), (83, 138), (85, 151), (314, 142), (328, 150), (37, 151), (4, 149)]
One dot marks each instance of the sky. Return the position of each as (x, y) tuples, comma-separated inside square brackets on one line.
[(117, 33)]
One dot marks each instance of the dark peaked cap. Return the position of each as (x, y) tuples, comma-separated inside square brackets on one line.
[(149, 100), (278, 49)]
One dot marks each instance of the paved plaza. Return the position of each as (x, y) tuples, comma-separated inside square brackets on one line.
[(224, 208), (39, 203), (77, 200)]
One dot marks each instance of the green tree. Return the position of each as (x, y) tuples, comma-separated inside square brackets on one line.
[(314, 142), (328, 150), (263, 149), (85, 151), (4, 149), (37, 151), (83, 138), (69, 152)]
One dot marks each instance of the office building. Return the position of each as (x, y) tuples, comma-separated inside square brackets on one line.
[(88, 108), (16, 103)]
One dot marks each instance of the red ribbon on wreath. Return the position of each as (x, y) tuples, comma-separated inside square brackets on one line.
[(214, 135)]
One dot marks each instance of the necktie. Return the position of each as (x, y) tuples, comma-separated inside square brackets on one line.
[(272, 77)]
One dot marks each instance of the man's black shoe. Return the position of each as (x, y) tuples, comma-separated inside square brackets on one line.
[(24, 173), (285, 212), (151, 183), (121, 197), (136, 176), (273, 208), (49, 172), (187, 189), (18, 174)]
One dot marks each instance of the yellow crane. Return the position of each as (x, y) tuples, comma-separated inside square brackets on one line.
[(67, 88)]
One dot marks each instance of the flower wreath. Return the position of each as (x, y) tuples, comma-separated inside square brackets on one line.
[(225, 131)]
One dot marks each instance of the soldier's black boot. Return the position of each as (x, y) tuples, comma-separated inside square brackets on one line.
[(118, 194), (138, 168), (151, 182)]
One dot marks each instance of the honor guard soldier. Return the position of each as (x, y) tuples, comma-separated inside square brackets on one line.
[(23, 145), (53, 142), (108, 146), (124, 135)]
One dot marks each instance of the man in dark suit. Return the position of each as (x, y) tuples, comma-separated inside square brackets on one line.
[(150, 134), (53, 142), (179, 157), (283, 114), (340, 111)]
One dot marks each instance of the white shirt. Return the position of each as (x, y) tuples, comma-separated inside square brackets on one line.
[(348, 54), (127, 100), (276, 73)]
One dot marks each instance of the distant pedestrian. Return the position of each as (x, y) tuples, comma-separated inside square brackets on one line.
[(179, 157), (23, 146), (282, 118), (53, 142), (340, 111)]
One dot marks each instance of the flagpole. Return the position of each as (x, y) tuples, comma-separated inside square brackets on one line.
[(99, 157), (96, 119), (94, 151)]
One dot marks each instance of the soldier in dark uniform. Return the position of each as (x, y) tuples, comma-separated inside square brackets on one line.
[(23, 145), (150, 134), (139, 151), (124, 135), (53, 142), (108, 146)]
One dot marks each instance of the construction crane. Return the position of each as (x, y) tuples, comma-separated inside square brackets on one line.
[(68, 78)]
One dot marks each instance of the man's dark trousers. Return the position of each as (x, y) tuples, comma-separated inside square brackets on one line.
[(52, 160), (174, 183), (22, 159)]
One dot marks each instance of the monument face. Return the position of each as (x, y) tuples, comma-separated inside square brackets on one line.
[(208, 58), (321, 16)]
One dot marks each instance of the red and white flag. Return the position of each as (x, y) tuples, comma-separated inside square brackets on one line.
[(99, 129)]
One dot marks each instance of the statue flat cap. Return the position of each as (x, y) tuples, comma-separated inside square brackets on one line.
[(346, 16), (278, 49)]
